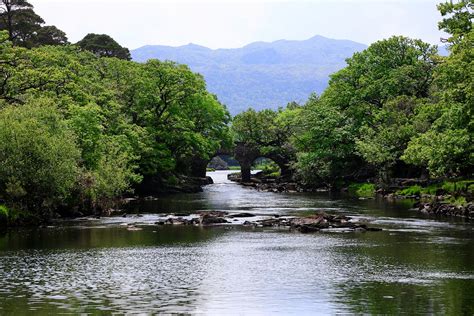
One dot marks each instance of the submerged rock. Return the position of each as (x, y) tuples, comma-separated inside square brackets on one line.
[(210, 220), (304, 224), (316, 223), (212, 217), (242, 215)]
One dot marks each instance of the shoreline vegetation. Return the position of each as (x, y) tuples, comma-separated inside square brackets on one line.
[(434, 197), (397, 120), (83, 128)]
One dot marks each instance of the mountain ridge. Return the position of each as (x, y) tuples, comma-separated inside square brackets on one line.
[(260, 74)]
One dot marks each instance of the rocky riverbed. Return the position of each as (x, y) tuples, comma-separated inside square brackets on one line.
[(305, 224), (430, 205)]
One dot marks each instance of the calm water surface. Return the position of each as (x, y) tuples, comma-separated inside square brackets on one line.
[(416, 265)]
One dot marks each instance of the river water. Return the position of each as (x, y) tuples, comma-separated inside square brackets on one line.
[(415, 265)]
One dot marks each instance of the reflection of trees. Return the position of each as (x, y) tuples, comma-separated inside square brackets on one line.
[(175, 203), (399, 267), (86, 238), (450, 297)]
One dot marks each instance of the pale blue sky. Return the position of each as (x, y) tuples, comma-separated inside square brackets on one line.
[(234, 23)]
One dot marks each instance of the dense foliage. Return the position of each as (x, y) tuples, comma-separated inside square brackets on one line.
[(80, 130), (268, 133), (25, 28), (397, 109), (82, 125)]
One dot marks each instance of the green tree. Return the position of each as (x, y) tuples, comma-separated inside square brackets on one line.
[(182, 119), (444, 145), (128, 120), (269, 133), (352, 128), (39, 156), (387, 69), (325, 148), (383, 143), (21, 22), (256, 128), (50, 35), (458, 19), (104, 46)]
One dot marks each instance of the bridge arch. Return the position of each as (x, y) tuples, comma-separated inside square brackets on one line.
[(245, 154)]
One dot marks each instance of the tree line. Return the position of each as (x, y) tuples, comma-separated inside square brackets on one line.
[(26, 29), (397, 109), (81, 124)]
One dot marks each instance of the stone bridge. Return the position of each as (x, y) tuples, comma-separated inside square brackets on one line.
[(245, 154)]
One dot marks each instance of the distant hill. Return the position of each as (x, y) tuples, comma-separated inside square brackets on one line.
[(261, 75)]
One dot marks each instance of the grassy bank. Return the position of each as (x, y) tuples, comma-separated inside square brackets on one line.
[(458, 193), (454, 192), (363, 190)]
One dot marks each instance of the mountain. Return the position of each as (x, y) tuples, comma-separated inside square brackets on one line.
[(261, 75)]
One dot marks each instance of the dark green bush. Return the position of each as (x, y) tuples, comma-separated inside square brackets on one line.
[(366, 190)]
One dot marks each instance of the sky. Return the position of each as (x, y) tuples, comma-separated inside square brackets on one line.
[(235, 23)]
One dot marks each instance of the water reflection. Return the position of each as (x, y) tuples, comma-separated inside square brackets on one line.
[(416, 265)]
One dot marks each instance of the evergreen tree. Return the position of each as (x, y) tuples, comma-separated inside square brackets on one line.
[(104, 46)]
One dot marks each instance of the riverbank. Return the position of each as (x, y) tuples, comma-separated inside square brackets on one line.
[(171, 185), (439, 198), (262, 182), (150, 188)]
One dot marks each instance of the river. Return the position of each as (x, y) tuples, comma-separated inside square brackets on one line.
[(417, 264)]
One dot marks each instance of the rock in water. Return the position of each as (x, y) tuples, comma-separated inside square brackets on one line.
[(213, 217), (242, 215)]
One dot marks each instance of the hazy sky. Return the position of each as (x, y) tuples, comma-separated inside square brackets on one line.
[(234, 23)]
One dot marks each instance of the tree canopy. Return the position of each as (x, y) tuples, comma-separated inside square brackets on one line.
[(111, 123), (25, 28), (397, 109), (80, 125), (103, 45)]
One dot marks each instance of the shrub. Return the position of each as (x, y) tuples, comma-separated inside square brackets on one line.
[(431, 189), (449, 187), (362, 189), (410, 191), (266, 166), (458, 201), (470, 189), (458, 186), (39, 156), (455, 188), (172, 180), (275, 174)]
